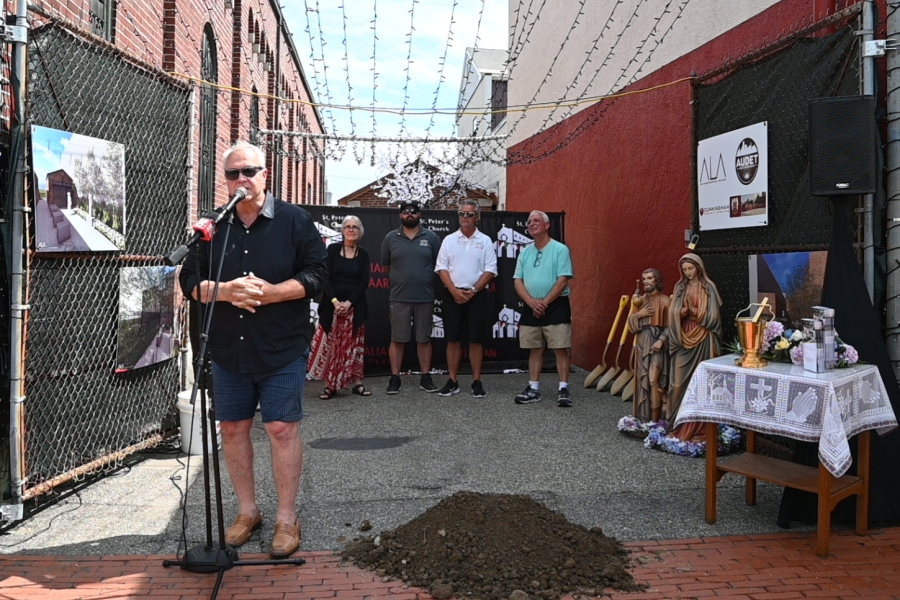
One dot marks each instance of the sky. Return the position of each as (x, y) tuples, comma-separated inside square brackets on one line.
[(321, 24)]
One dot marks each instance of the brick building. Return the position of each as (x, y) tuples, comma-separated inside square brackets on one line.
[(367, 196), (242, 46)]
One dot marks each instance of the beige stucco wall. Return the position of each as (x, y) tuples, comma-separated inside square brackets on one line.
[(535, 42)]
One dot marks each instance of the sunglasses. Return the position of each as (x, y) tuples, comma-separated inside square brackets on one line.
[(466, 214), (537, 261), (409, 211), (248, 172)]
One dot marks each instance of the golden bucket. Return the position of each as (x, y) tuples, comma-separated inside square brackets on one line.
[(751, 333)]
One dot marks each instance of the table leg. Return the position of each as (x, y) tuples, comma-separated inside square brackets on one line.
[(712, 470), (751, 481), (823, 535), (863, 442)]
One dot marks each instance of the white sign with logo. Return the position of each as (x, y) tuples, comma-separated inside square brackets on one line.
[(733, 178)]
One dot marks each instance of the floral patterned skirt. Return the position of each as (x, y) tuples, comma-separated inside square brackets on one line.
[(338, 357)]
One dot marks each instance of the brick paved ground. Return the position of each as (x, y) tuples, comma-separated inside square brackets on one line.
[(759, 567)]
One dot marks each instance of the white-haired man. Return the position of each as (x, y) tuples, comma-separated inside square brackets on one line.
[(259, 337), (541, 279), (466, 264)]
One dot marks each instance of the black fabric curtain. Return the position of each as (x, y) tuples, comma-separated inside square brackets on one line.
[(857, 324)]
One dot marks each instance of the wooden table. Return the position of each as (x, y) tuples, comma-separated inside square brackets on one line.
[(828, 408)]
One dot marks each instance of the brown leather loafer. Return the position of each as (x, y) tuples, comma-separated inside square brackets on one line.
[(286, 540), (240, 530)]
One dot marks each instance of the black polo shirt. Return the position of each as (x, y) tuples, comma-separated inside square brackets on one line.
[(282, 244)]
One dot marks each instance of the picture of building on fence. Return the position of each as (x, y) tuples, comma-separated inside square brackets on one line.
[(79, 199), (792, 281), (149, 310)]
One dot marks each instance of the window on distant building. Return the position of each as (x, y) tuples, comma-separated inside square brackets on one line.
[(498, 103), (103, 18), (254, 117), (209, 71)]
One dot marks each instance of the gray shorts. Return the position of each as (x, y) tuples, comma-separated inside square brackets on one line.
[(405, 315)]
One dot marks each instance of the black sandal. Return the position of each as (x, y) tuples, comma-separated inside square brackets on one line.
[(327, 393), (360, 390)]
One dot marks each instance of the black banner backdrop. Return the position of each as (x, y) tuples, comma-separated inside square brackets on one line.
[(507, 229)]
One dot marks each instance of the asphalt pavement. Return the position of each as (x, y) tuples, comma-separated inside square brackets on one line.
[(386, 459)]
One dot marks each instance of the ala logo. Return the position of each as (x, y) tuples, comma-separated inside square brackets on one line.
[(710, 174), (329, 236), (746, 161), (424, 242), (507, 325), (510, 242)]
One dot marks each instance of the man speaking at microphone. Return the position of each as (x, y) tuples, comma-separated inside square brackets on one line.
[(259, 338)]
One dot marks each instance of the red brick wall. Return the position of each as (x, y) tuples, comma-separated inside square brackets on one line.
[(169, 34)]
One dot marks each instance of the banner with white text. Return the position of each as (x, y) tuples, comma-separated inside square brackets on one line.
[(506, 229)]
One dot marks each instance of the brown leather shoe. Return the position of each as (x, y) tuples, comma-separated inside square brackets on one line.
[(240, 530), (286, 540)]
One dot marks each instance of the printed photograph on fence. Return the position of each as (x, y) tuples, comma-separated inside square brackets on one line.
[(149, 311), (792, 281), (79, 201)]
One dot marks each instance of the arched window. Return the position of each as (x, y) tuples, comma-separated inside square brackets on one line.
[(209, 71)]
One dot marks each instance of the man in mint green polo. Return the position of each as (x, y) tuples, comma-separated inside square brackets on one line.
[(542, 279)]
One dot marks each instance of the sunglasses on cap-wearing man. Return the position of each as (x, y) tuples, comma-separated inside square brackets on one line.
[(409, 211), (248, 172)]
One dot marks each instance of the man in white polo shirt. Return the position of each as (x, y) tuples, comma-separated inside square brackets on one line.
[(466, 264)]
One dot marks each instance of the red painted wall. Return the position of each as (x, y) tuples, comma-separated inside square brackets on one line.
[(626, 183)]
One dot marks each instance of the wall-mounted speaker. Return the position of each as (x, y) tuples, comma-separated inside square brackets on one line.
[(842, 140)]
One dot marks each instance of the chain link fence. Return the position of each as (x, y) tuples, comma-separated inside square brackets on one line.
[(80, 414)]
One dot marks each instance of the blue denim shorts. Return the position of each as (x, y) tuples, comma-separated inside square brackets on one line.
[(279, 394)]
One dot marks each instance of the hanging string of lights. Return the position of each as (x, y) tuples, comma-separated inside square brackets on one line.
[(442, 62), (409, 37)]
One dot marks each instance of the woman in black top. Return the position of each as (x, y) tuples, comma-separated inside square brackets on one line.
[(338, 348)]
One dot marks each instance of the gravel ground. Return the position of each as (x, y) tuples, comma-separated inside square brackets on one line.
[(387, 459)]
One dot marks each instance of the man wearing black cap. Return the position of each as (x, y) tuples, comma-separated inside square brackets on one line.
[(408, 254)]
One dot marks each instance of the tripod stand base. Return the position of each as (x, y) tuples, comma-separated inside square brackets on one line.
[(203, 559)]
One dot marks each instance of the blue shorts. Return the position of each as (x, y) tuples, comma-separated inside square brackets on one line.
[(279, 394)]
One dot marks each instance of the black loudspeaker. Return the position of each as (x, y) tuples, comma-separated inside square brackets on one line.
[(842, 147)]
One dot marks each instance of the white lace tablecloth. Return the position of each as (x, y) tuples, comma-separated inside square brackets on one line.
[(783, 399)]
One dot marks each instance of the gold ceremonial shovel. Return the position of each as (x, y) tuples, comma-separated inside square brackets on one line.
[(626, 375), (628, 392), (594, 375), (610, 375)]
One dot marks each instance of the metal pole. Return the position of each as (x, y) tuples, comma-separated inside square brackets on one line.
[(892, 185), (868, 89), (16, 281)]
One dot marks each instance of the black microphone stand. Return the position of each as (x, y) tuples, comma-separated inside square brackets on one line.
[(211, 557)]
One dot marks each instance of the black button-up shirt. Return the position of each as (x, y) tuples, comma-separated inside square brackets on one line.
[(281, 244)]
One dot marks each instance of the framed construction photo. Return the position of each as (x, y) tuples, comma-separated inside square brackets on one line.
[(79, 199)]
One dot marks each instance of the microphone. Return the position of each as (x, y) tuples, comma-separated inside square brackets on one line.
[(205, 228)]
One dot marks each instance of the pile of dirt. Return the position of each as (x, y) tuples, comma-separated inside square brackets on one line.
[(490, 545)]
